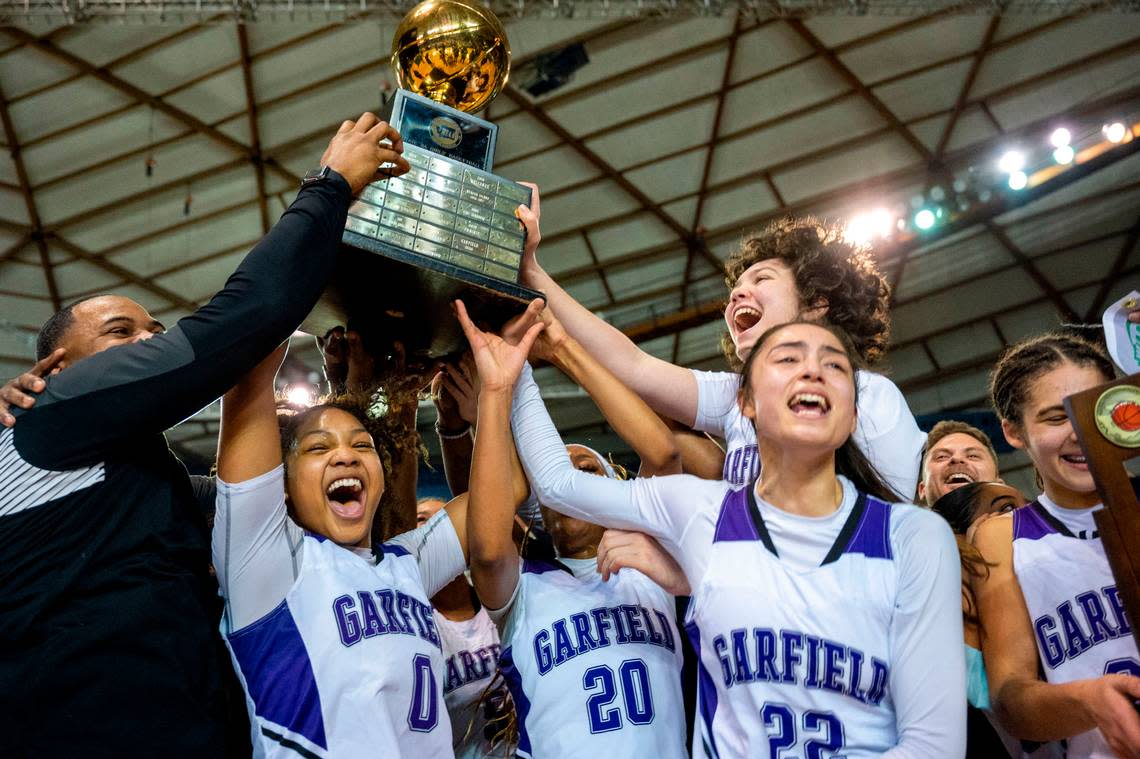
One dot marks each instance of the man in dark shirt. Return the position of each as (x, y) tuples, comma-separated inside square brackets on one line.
[(107, 610)]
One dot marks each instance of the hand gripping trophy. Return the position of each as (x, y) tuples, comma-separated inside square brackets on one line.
[(447, 229)]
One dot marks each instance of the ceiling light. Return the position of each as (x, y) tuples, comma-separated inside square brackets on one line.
[(1018, 180), (299, 395), (1114, 132), (1060, 137), (924, 219), (1064, 154), (1012, 161)]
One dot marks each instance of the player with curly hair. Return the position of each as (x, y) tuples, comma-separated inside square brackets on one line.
[(796, 269)]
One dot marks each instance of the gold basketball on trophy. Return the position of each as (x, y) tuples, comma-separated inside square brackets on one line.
[(454, 53)]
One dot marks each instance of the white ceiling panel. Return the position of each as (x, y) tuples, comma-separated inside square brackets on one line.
[(838, 30), (24, 70), (611, 104), (741, 202), (947, 38), (878, 157), (979, 296), (644, 141), (765, 48), (924, 94), (580, 207)]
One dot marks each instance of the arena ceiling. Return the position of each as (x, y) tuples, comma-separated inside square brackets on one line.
[(145, 158)]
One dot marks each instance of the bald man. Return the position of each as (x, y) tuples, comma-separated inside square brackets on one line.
[(108, 614)]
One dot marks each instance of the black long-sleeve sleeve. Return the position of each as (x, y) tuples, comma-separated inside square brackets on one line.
[(143, 388)]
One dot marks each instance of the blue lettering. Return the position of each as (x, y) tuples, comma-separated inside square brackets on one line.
[(878, 687), (542, 652), (1048, 640), (812, 661), (619, 625), (387, 603), (373, 625), (743, 672), (402, 603), (1075, 640), (1094, 611), (470, 670), (581, 624), (633, 619), (655, 637), (856, 657), (348, 624), (602, 623), (721, 649), (1122, 624), (563, 649), (832, 671), (453, 678), (766, 655), (666, 630), (792, 642)]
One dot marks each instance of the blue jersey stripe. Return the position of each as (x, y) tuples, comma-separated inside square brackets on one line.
[(279, 675)]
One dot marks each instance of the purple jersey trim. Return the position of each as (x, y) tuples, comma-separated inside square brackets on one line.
[(706, 687), (278, 674), (538, 567), (522, 704), (1028, 524), (872, 536), (395, 550), (734, 522)]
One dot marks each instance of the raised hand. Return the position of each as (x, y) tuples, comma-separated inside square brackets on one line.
[(547, 344), (530, 216), (499, 359), (19, 390), (619, 549), (359, 147), (455, 392)]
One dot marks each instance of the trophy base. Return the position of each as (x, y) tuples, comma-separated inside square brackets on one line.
[(389, 294)]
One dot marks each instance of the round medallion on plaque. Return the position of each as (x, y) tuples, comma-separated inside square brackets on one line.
[(1117, 415), (446, 132)]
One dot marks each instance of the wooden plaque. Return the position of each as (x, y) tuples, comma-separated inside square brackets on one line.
[(1107, 422)]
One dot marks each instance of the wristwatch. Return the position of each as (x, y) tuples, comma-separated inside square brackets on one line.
[(315, 176)]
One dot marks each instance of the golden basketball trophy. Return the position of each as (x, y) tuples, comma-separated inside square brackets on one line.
[(1107, 422), (447, 229)]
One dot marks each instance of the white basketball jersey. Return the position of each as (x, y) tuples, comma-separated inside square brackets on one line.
[(471, 654), (594, 667), (1078, 616), (350, 659), (795, 662)]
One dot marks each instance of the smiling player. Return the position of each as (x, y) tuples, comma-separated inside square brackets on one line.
[(332, 637), (1049, 602), (827, 619), (796, 269)]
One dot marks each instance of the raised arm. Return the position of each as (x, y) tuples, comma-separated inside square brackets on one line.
[(1028, 708), (493, 558), (145, 387), (456, 398), (625, 411), (254, 543), (667, 388), (249, 444)]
